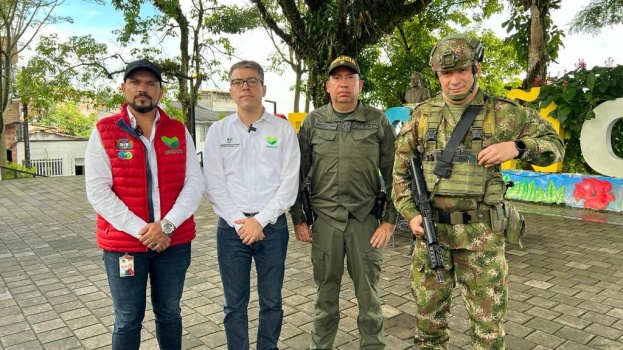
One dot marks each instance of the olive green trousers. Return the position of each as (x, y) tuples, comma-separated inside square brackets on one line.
[(363, 261)]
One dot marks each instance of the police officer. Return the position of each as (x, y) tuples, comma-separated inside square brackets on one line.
[(463, 203), (346, 143)]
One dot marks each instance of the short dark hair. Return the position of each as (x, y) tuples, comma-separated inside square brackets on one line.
[(248, 64)]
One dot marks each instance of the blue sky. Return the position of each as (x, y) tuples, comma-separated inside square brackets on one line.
[(90, 18)]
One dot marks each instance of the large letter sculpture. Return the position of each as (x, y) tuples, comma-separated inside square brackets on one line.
[(596, 139)]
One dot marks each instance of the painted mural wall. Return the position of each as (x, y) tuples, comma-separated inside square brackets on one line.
[(579, 191)]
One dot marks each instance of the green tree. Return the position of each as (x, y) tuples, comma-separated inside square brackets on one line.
[(408, 49), (535, 37), (71, 70), (67, 117), (20, 23), (284, 57), (598, 14), (323, 30), (198, 30)]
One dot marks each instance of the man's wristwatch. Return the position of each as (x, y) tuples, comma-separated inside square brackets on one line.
[(167, 227), (521, 148)]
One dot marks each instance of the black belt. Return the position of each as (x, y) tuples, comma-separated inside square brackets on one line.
[(250, 215), (461, 217)]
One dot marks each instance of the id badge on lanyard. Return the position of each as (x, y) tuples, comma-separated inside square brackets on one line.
[(126, 266)]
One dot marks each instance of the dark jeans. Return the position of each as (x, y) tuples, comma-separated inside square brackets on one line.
[(234, 259), (166, 271)]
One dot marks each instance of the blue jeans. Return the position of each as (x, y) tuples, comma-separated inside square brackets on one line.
[(167, 272), (234, 259)]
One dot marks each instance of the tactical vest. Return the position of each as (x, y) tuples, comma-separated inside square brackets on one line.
[(468, 179)]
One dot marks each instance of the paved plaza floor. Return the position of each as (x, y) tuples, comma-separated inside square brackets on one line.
[(566, 284)]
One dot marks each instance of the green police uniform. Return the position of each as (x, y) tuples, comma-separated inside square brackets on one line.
[(346, 154), (475, 258)]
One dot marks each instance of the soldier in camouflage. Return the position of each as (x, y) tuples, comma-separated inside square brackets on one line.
[(463, 203)]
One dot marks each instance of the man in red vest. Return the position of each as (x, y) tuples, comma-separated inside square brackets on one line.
[(144, 181)]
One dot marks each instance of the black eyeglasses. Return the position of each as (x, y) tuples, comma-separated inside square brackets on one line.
[(239, 83)]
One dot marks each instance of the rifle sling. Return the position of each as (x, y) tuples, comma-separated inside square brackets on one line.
[(443, 168)]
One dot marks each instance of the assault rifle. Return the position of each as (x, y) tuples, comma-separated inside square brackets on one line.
[(420, 196)]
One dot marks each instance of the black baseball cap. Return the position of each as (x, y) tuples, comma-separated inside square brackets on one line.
[(143, 65), (344, 61)]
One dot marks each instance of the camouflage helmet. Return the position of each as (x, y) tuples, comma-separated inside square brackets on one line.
[(456, 51)]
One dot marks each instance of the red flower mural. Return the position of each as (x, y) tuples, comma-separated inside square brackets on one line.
[(596, 193)]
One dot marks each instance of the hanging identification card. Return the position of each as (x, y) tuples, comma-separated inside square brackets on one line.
[(126, 266)]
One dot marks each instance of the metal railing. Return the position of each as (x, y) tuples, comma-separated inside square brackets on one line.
[(16, 171), (49, 167)]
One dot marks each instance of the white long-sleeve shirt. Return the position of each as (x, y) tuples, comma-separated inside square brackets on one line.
[(251, 171), (98, 178)]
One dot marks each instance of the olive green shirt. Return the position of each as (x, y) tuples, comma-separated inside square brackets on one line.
[(347, 154)]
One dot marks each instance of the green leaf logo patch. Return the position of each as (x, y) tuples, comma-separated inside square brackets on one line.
[(271, 140), (172, 142)]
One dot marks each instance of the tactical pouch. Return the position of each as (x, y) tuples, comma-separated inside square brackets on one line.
[(495, 187), (499, 218), (467, 179), (516, 225)]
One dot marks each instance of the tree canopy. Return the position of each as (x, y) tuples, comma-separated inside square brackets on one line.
[(200, 46), (322, 30), (597, 15), (20, 23), (407, 50)]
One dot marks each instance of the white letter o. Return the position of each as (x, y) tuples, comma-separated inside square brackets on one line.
[(596, 139)]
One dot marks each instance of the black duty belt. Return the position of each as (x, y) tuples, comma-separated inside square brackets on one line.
[(461, 217)]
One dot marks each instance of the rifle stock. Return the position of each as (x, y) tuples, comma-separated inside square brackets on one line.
[(420, 196)]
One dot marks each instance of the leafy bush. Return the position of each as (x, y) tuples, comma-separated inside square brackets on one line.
[(11, 174), (576, 94)]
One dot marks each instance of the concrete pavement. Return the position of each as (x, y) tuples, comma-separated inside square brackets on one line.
[(566, 284)]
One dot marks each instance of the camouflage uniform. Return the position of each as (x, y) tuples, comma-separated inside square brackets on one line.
[(475, 256)]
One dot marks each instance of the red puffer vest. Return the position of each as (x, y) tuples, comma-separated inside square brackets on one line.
[(131, 177)]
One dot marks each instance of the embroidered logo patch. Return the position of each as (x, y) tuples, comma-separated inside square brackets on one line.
[(123, 147), (124, 155), (272, 142), (124, 144), (230, 143), (172, 142)]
